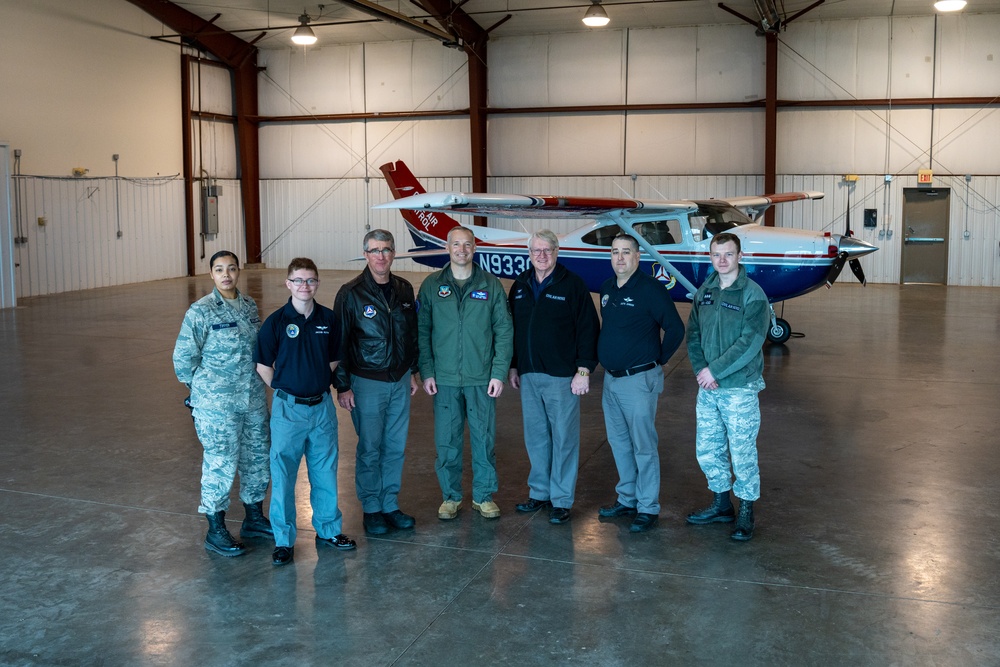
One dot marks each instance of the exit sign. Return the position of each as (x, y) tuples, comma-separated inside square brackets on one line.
[(925, 176)]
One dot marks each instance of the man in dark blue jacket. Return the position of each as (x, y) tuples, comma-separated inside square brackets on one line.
[(377, 377), (555, 351)]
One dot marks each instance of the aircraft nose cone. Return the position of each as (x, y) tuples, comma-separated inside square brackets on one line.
[(855, 247)]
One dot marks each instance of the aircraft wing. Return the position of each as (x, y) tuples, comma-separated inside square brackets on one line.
[(531, 206), (763, 201)]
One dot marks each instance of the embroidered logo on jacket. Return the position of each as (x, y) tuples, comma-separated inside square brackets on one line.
[(444, 291), (369, 311), (555, 297), (731, 306), (479, 295), (224, 325), (292, 330)]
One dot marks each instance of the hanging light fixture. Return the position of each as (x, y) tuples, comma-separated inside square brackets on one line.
[(596, 16), (949, 5), (304, 35)]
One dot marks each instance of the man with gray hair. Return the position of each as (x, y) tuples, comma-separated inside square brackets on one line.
[(555, 351), (376, 378)]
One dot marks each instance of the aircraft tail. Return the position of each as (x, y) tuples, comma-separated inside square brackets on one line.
[(428, 229)]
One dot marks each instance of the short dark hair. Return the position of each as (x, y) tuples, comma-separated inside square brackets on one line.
[(302, 263), (726, 237), (626, 237), (383, 235), (223, 253)]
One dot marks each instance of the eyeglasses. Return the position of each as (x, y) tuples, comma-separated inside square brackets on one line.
[(380, 251), (299, 282), (541, 251)]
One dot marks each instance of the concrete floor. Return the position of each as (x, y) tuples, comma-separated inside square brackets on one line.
[(876, 543)]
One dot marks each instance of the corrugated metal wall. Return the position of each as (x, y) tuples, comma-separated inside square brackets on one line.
[(78, 246)]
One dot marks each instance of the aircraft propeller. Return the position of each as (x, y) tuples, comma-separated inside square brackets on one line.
[(850, 251)]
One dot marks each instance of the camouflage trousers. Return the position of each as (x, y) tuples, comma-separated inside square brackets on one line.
[(726, 440), (233, 441)]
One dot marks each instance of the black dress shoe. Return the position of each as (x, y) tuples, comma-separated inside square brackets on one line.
[(374, 523), (342, 542), (617, 509), (398, 520), (559, 515), (643, 522), (283, 555), (532, 505)]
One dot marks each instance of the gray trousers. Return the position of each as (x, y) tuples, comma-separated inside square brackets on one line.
[(629, 415), (381, 417), (551, 436), (728, 423)]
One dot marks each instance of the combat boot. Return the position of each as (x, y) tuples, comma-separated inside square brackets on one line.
[(218, 538), (255, 524), (744, 522), (720, 511)]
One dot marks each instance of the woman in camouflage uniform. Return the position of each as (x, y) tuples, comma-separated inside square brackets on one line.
[(213, 356)]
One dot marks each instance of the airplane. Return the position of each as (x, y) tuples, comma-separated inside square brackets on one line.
[(673, 235)]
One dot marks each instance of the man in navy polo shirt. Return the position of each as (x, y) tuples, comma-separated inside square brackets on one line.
[(297, 350), (634, 308)]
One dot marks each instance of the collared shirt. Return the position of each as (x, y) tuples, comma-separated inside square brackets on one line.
[(631, 319), (300, 349)]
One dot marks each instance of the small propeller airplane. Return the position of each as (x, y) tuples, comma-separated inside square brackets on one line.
[(674, 235)]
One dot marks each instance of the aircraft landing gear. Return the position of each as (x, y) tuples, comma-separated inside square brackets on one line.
[(779, 331)]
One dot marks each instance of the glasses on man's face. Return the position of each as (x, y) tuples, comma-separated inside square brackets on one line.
[(541, 251), (299, 282), (381, 252)]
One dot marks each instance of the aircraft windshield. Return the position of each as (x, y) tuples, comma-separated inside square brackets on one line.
[(711, 220)]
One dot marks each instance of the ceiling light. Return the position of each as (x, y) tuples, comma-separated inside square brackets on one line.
[(949, 5), (304, 35), (596, 16)]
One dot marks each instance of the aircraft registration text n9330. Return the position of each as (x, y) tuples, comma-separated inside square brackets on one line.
[(503, 264)]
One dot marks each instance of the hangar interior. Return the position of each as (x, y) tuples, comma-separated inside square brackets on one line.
[(877, 533)]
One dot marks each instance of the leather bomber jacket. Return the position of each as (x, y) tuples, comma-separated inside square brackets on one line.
[(379, 339)]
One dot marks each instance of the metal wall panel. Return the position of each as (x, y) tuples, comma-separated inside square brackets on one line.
[(78, 247)]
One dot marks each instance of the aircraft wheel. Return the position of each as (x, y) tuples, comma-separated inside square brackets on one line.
[(779, 332)]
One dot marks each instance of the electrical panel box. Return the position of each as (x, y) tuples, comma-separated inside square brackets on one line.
[(871, 217), (210, 210)]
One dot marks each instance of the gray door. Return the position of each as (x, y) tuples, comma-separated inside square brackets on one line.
[(925, 235)]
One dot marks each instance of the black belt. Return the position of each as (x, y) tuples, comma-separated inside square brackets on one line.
[(632, 371), (309, 400)]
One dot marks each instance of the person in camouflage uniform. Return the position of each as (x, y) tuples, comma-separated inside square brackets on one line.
[(726, 331), (213, 356)]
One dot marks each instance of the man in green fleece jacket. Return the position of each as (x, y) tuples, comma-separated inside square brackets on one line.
[(466, 339), (725, 334)]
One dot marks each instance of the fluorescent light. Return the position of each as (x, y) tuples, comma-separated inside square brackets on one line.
[(949, 5), (304, 35), (596, 16)]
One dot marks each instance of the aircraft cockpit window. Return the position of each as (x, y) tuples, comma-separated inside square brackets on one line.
[(602, 236), (660, 232), (717, 219)]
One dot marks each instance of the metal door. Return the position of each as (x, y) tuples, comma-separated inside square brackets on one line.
[(925, 235)]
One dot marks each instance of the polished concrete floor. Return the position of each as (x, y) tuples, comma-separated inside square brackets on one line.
[(877, 542)]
